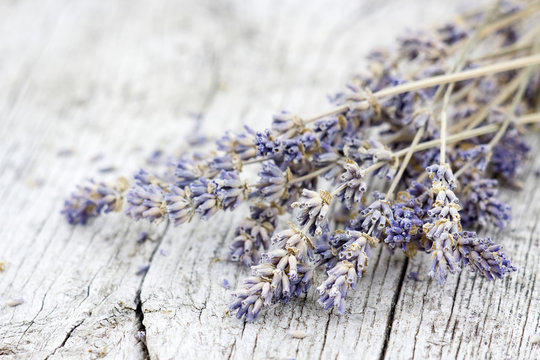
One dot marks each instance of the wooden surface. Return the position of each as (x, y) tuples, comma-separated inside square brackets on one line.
[(120, 78)]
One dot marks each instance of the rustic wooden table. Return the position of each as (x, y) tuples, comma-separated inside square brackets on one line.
[(88, 85)]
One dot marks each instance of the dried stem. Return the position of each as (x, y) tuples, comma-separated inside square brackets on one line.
[(459, 66), (405, 162), (510, 19), (311, 175), (443, 79), (515, 103), (476, 119), (455, 138), (460, 76)]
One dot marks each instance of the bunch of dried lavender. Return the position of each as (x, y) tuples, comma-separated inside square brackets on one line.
[(441, 118)]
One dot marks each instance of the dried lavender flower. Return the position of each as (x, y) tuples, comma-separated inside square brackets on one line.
[(242, 144), (230, 189), (375, 218), (146, 202), (255, 232), (282, 273), (445, 223), (352, 188), (272, 185), (93, 198), (344, 274), (313, 210), (180, 207), (204, 196), (482, 256), (481, 206)]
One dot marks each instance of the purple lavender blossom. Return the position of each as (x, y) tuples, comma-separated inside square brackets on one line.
[(477, 155), (330, 131), (326, 156), (298, 148), (225, 162), (287, 125), (230, 189), (406, 227), (482, 256), (352, 188), (255, 232), (273, 282), (243, 248), (267, 144), (282, 273), (451, 33), (188, 171), (93, 198), (146, 202), (421, 46), (242, 144), (375, 218), (481, 206), (508, 156), (204, 197), (272, 183), (362, 105), (295, 240), (419, 198), (313, 210), (343, 275), (445, 223), (142, 177), (180, 207)]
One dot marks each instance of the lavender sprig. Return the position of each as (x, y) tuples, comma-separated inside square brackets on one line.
[(93, 198), (282, 273)]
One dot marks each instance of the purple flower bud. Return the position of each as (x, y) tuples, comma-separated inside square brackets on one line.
[(146, 202), (93, 198), (179, 205)]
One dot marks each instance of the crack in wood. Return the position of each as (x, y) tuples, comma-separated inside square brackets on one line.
[(325, 333), (393, 308), (138, 301), (66, 338)]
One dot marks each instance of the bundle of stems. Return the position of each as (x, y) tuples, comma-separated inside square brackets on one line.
[(413, 151)]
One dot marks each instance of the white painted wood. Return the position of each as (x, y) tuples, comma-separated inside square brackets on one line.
[(119, 78)]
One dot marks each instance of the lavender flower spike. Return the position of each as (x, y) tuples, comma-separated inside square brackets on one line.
[(375, 218), (313, 210), (205, 199), (92, 198), (242, 144), (179, 205), (253, 233), (146, 201), (282, 273), (272, 185), (482, 256), (273, 282), (344, 275), (230, 189), (352, 186), (482, 206), (445, 223), (287, 125)]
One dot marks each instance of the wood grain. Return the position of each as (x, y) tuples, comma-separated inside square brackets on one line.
[(120, 79)]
